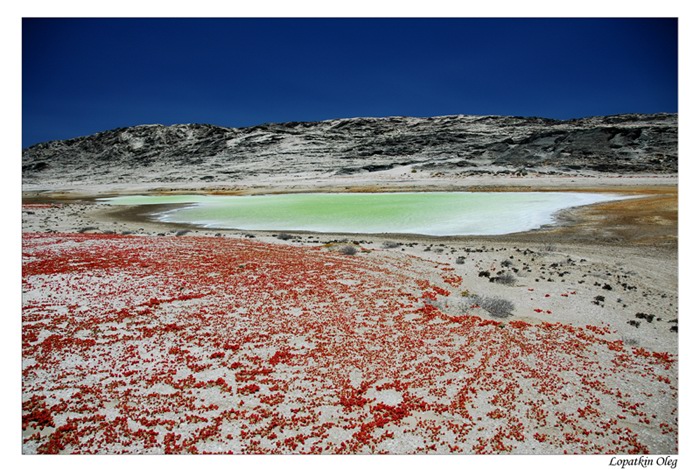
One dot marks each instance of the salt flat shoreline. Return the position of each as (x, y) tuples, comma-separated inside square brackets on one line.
[(624, 252), (606, 223)]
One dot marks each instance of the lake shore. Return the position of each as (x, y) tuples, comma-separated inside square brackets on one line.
[(651, 221)]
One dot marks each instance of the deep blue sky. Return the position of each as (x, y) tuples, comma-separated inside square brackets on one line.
[(82, 76)]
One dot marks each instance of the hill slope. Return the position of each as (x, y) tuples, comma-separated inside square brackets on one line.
[(458, 145)]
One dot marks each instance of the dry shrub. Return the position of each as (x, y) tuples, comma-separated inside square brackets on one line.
[(348, 250), (507, 279), (496, 306)]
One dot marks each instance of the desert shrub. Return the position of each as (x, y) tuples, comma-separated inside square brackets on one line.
[(646, 316), (284, 236), (460, 260), (507, 279), (389, 244), (496, 306), (348, 250), (506, 262), (484, 274)]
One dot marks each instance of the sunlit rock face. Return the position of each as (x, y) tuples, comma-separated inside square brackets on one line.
[(456, 145)]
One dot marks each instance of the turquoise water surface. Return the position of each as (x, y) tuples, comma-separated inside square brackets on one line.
[(427, 213)]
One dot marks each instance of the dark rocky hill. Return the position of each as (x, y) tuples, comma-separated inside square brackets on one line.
[(458, 145)]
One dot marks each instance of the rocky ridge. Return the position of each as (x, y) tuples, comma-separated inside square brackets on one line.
[(455, 145)]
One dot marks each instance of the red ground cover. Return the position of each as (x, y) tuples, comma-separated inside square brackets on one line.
[(201, 344)]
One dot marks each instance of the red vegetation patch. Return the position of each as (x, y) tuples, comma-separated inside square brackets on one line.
[(194, 344), (454, 281), (39, 206)]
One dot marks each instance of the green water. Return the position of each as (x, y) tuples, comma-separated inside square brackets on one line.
[(431, 213)]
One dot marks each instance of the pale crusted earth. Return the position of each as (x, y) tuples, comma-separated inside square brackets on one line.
[(143, 338)]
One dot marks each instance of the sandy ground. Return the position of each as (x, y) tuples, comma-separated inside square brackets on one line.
[(387, 350), (399, 179)]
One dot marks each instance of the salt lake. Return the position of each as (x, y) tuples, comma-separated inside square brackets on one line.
[(425, 213)]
